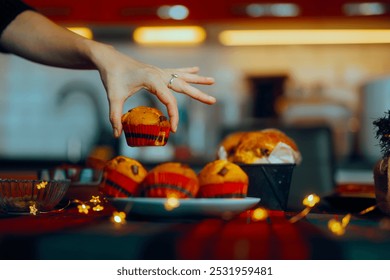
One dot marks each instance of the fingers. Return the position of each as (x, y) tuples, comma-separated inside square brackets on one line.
[(159, 82), (195, 79), (116, 99), (178, 81), (116, 109), (180, 85), (189, 75), (193, 70), (166, 97)]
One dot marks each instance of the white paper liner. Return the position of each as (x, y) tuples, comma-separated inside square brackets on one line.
[(222, 154), (283, 153)]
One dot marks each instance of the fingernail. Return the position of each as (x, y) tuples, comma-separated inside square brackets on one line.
[(210, 79), (212, 98), (116, 132)]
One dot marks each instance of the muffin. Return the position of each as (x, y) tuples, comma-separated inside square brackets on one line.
[(222, 179), (170, 179), (122, 176), (229, 145), (268, 157), (145, 126), (265, 146)]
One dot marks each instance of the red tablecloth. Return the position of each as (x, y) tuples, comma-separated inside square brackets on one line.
[(69, 218), (242, 238), (238, 238)]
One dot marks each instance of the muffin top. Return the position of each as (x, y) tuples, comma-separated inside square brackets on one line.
[(231, 141), (175, 167), (274, 136), (145, 115), (220, 171), (256, 145), (128, 167)]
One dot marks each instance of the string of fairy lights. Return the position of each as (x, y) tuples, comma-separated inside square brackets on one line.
[(95, 204)]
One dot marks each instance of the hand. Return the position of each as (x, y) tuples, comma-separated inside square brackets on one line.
[(123, 76), (50, 44)]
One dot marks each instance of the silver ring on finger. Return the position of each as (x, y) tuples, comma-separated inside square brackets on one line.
[(173, 76)]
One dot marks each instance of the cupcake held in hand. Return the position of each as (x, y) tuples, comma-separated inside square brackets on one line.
[(222, 179), (145, 126), (121, 177), (170, 179)]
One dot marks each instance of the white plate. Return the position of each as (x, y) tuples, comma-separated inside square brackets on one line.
[(195, 207)]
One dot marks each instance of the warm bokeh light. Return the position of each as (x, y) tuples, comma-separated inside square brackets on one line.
[(311, 200), (95, 199), (367, 210), (82, 31), (336, 227), (304, 37), (259, 214), (345, 220), (41, 185), (118, 218), (83, 208), (33, 210), (171, 203), (98, 208), (168, 35)]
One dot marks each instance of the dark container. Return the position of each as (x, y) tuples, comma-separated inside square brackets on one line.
[(269, 182)]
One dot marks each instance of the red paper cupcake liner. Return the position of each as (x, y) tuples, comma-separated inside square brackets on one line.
[(146, 135), (167, 184), (224, 190), (116, 184)]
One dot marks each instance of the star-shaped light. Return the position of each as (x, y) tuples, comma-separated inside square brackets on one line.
[(83, 208), (41, 185), (33, 210), (95, 200), (97, 208)]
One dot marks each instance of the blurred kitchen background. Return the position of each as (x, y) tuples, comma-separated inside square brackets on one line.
[(303, 63)]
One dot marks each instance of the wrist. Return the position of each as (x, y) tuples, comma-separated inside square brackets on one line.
[(96, 53)]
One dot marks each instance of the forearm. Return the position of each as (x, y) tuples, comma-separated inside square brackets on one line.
[(36, 38)]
